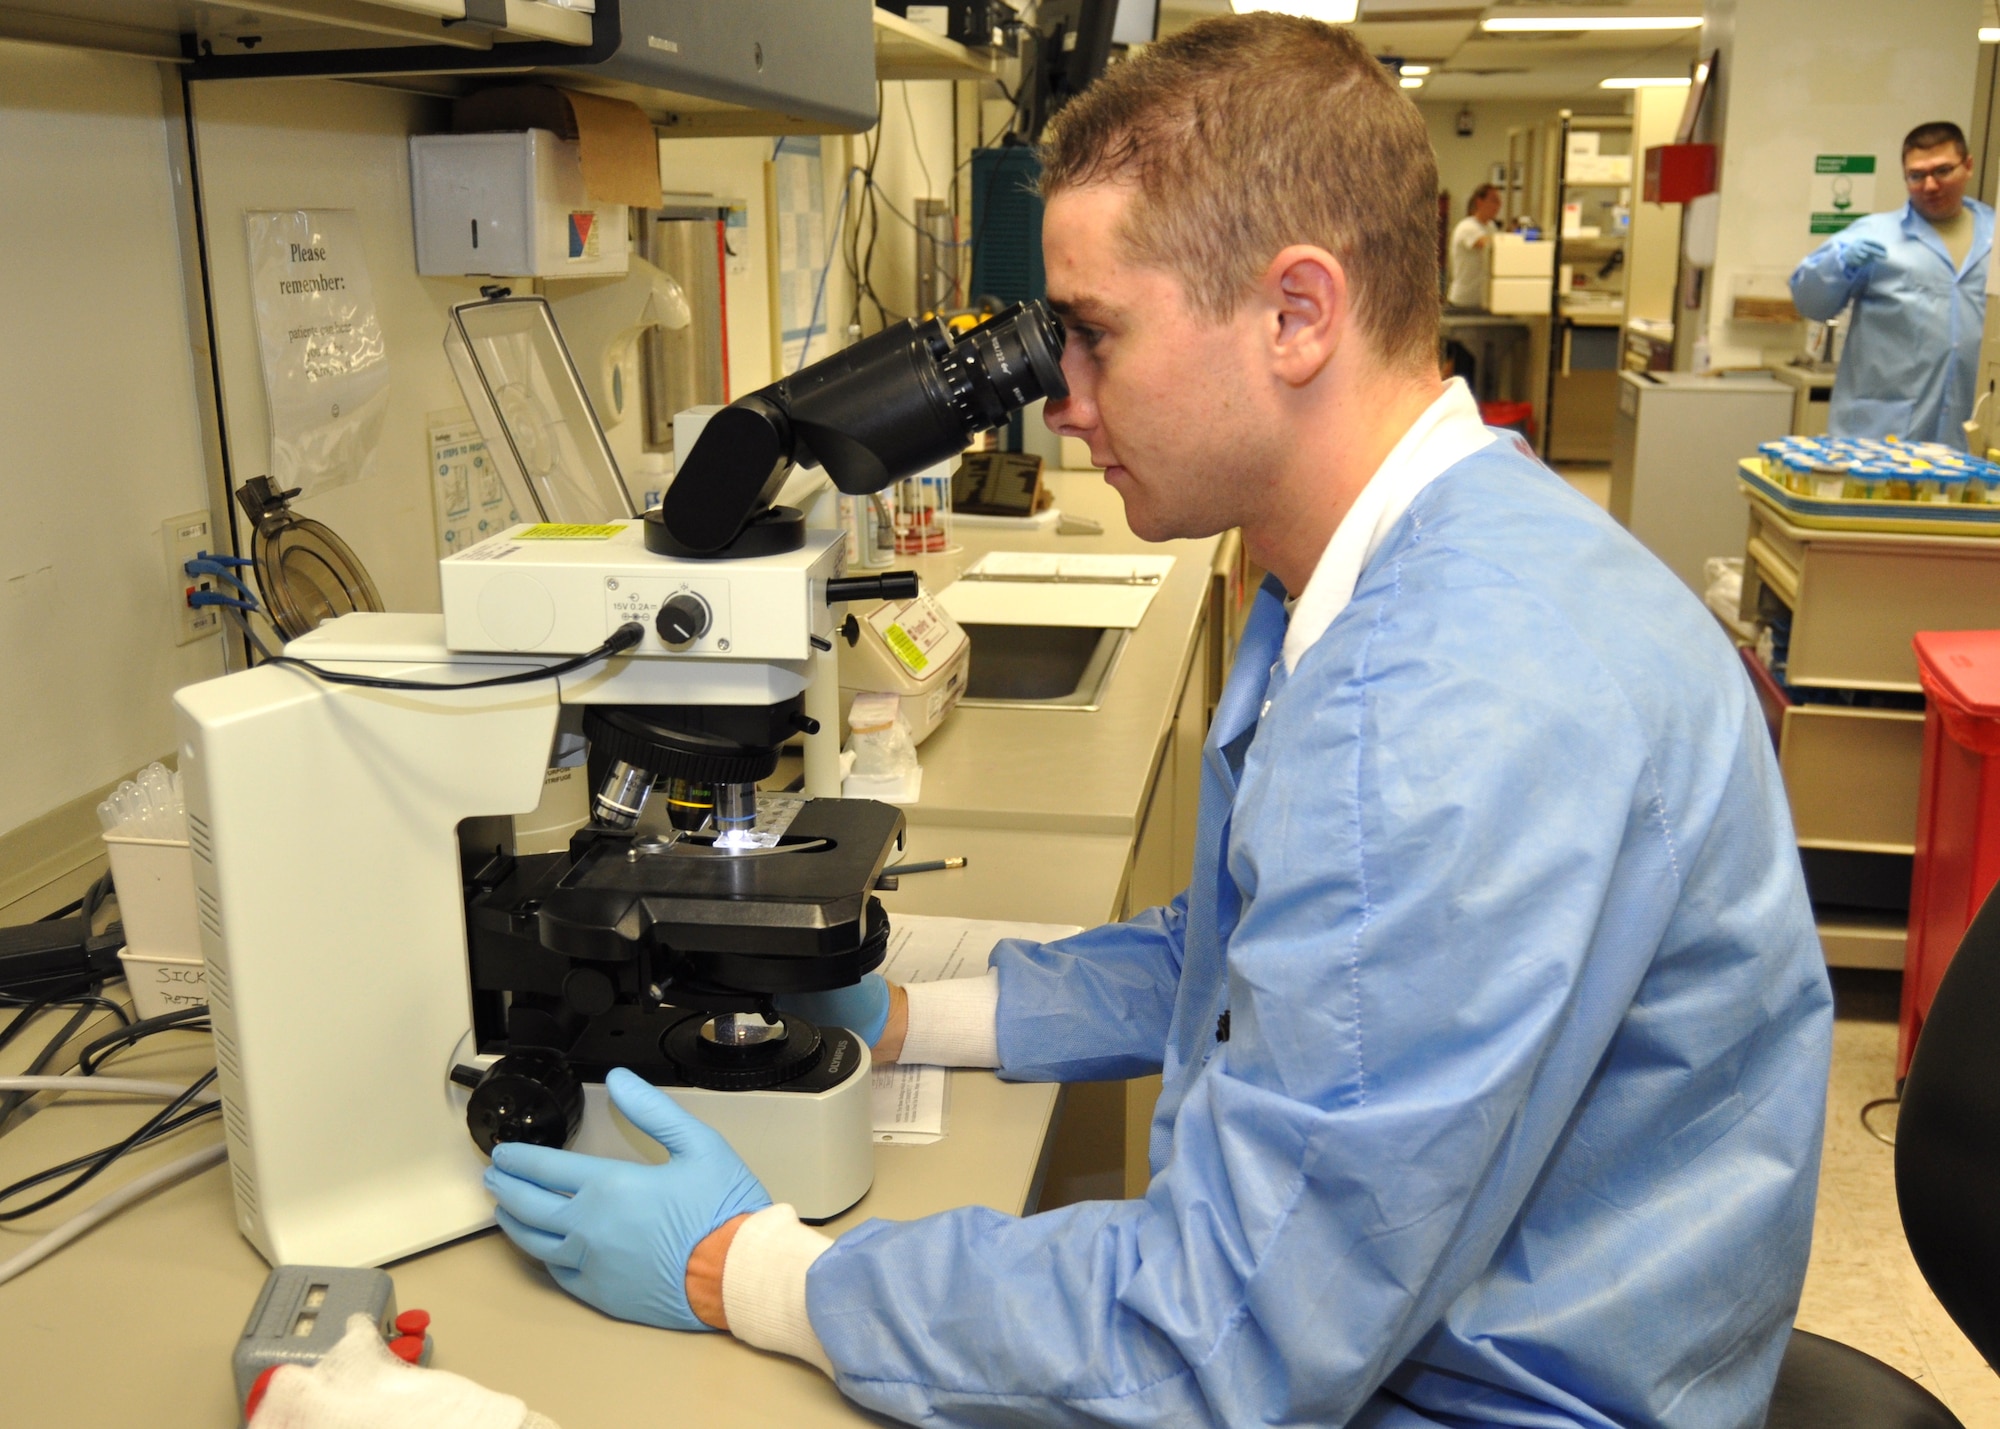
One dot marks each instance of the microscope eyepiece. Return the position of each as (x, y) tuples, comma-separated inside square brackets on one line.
[(887, 407)]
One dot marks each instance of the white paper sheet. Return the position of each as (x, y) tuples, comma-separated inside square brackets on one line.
[(911, 1103), (1044, 588), (326, 371)]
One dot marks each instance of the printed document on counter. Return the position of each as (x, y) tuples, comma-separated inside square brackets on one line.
[(910, 1103), (1045, 588)]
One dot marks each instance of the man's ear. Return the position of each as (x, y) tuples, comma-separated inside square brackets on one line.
[(1304, 290)]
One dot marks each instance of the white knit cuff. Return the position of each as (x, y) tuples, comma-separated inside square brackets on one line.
[(954, 1023), (764, 1285)]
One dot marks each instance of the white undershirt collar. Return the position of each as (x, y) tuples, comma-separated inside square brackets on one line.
[(1448, 431)]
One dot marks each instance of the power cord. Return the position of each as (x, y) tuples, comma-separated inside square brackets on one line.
[(167, 1120), (183, 1019), (184, 1106), (10, 1101), (620, 640), (110, 1206), (1869, 1126)]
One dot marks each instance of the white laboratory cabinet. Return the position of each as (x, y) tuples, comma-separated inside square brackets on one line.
[(1673, 460)]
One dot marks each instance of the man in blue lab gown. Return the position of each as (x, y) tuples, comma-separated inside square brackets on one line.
[(1493, 1025)]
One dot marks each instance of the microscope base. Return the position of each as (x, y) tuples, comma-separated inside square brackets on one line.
[(812, 1150)]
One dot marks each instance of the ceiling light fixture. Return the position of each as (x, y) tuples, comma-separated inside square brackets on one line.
[(1501, 24), (1332, 12), (1411, 81), (1989, 34), (1417, 70), (1653, 82)]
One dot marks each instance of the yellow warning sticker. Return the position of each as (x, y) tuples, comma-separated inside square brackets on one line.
[(907, 650), (559, 531)]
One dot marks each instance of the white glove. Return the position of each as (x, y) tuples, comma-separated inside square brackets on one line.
[(359, 1384)]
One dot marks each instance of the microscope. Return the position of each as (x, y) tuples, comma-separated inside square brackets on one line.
[(394, 986)]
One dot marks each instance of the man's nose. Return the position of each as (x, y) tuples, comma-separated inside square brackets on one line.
[(1076, 414)]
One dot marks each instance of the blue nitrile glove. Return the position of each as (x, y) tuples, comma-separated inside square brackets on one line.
[(616, 1234), (1858, 255), (862, 1009)]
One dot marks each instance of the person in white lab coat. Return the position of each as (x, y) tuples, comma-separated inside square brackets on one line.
[(1472, 249)]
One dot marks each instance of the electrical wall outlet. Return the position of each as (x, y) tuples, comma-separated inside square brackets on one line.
[(187, 537)]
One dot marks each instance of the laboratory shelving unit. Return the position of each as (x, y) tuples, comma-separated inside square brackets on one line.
[(1855, 599), (1581, 398)]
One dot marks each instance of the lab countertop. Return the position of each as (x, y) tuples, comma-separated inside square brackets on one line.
[(134, 1323), (1076, 771)]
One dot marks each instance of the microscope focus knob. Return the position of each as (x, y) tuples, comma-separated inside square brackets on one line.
[(683, 620), (528, 1096)]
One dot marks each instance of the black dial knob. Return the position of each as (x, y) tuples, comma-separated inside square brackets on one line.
[(530, 1096), (682, 620)]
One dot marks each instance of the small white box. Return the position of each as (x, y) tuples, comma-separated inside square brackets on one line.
[(155, 882), (510, 206), (1518, 257), (163, 985), (1518, 295)]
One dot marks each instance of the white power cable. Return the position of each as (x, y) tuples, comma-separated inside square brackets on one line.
[(122, 1086), (110, 1206)]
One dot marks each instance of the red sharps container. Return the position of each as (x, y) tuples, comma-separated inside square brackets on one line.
[(1958, 812)]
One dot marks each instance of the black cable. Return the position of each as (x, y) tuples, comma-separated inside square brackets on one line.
[(10, 1102), (92, 899), (154, 1128), (77, 999), (1869, 1127), (621, 639), (190, 1019), (32, 1009), (166, 1128)]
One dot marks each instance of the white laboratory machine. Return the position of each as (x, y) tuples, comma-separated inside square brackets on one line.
[(1674, 452)]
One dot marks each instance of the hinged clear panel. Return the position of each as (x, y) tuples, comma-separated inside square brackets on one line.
[(524, 393)]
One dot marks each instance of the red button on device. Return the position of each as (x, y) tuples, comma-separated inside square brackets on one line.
[(414, 1322), (407, 1347)]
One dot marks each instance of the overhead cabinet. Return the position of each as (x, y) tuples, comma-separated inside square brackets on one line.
[(696, 67)]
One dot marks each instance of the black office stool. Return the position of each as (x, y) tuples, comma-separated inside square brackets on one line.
[(1823, 1384), (1947, 1182)]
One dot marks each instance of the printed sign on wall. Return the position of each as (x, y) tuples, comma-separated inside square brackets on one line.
[(1843, 189), (326, 372)]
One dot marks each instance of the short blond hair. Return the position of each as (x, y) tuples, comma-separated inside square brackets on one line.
[(1247, 133)]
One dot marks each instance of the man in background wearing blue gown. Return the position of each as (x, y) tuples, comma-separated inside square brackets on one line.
[(1493, 1025), (1917, 279)]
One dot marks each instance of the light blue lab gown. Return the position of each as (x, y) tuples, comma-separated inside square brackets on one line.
[(1519, 1117), (1912, 354)]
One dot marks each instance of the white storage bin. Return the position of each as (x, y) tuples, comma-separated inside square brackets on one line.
[(155, 879), (162, 985)]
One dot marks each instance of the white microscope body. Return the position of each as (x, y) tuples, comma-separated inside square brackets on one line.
[(324, 821)]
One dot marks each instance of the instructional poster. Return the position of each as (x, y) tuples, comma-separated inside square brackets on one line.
[(801, 246), (326, 371), (472, 500), (1843, 189)]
